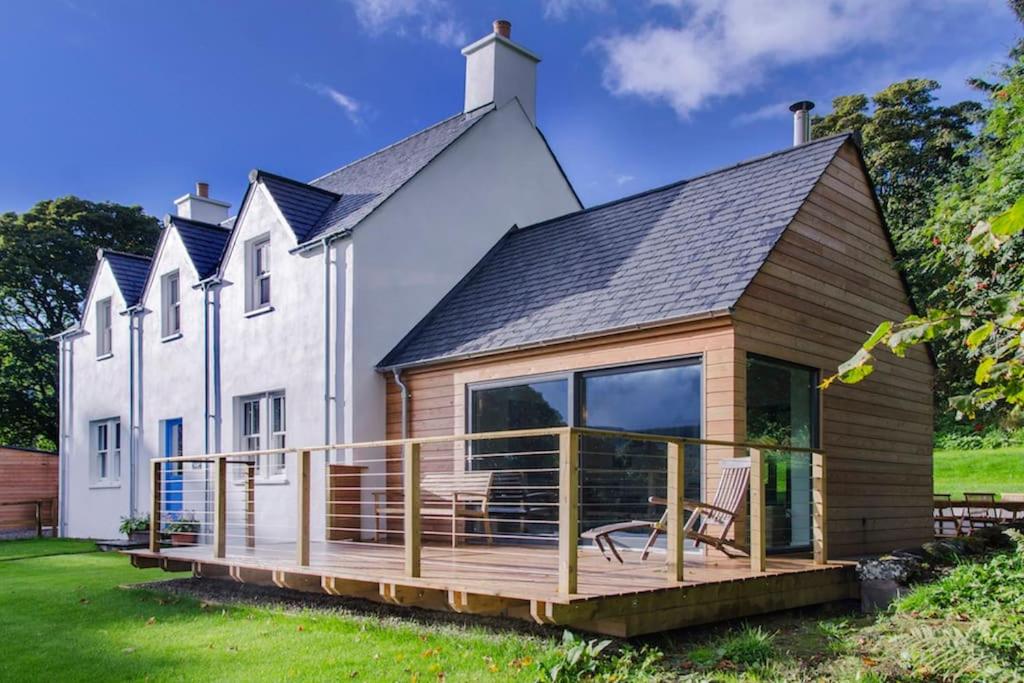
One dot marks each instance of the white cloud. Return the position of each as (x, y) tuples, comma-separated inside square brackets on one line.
[(717, 48), (436, 19), (623, 179), (353, 108), (775, 110), (561, 9)]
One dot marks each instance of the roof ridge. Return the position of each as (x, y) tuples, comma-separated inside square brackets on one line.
[(398, 142), (684, 181), (198, 224), (298, 183), (116, 252)]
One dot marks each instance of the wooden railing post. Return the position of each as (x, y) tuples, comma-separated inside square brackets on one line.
[(758, 512), (302, 519), (820, 508), (411, 521), (568, 510), (220, 508), (676, 488), (154, 508), (250, 506)]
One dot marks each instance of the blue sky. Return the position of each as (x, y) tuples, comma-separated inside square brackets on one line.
[(135, 101)]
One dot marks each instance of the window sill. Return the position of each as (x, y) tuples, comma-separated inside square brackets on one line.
[(259, 311), (106, 485), (170, 337), (105, 356)]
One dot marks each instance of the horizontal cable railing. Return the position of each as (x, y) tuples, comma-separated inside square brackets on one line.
[(516, 503)]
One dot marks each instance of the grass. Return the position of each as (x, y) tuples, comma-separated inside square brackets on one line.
[(998, 471), (65, 618)]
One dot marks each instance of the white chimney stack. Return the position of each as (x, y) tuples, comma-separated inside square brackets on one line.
[(498, 70), (199, 206), (801, 121)]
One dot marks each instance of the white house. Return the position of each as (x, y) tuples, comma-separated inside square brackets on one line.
[(265, 329)]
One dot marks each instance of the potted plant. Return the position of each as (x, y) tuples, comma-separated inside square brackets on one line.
[(135, 528), (183, 530)]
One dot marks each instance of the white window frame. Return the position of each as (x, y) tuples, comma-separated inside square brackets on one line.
[(258, 292), (105, 443), (170, 286), (104, 328), (261, 426)]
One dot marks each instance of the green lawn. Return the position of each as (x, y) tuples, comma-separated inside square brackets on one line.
[(998, 471), (64, 617)]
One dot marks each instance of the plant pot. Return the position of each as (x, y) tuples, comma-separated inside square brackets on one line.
[(183, 537), (138, 537)]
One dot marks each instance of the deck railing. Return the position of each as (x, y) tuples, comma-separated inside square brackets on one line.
[(222, 500)]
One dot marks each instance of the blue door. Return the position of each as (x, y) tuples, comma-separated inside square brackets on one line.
[(173, 493)]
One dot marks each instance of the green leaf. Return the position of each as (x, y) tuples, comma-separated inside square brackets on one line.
[(1010, 221), (857, 368), (880, 332), (984, 370), (980, 334)]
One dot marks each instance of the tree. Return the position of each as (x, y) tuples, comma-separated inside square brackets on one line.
[(912, 147), (47, 257), (975, 240)]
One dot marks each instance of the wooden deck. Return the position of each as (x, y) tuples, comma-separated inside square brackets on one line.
[(617, 599)]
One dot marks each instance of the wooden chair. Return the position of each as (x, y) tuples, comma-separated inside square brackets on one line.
[(729, 499), (945, 514), (454, 495), (1014, 498), (980, 517)]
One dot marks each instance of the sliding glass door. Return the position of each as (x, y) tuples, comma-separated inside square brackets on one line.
[(617, 476), (782, 408)]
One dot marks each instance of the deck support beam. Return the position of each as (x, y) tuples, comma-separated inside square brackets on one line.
[(302, 519), (820, 508), (568, 510), (676, 523), (411, 484), (154, 510), (220, 508), (758, 513)]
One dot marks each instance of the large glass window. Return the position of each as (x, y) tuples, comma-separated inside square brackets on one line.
[(263, 421), (782, 409), (526, 481), (618, 476)]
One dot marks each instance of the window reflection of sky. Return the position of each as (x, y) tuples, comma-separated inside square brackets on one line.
[(660, 400)]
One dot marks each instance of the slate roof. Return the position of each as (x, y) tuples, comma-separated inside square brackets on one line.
[(687, 249), (302, 205), (204, 243), (130, 273), (365, 184)]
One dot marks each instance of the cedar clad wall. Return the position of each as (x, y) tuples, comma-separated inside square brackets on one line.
[(25, 475), (438, 394), (827, 284)]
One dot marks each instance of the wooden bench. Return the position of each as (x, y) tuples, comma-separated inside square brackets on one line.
[(452, 495)]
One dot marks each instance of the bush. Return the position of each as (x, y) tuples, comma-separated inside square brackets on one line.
[(132, 525), (959, 436)]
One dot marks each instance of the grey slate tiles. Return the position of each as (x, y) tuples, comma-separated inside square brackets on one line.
[(687, 249), (204, 243), (130, 272)]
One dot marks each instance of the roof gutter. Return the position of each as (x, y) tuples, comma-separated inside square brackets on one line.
[(707, 315), (306, 247)]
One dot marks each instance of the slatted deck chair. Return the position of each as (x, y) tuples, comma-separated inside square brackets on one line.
[(722, 511), (945, 517), (980, 517), (455, 495)]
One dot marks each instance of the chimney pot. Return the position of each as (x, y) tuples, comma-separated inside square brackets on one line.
[(801, 121), (503, 27), (203, 189)]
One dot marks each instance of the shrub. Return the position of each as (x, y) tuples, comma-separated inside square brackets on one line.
[(133, 525), (585, 660)]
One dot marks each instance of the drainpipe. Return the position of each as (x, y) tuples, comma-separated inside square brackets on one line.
[(132, 399), (405, 401), (327, 342), (206, 367), (62, 454)]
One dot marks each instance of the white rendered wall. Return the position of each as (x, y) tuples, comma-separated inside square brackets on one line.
[(279, 350), (411, 251), (100, 392), (172, 373)]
